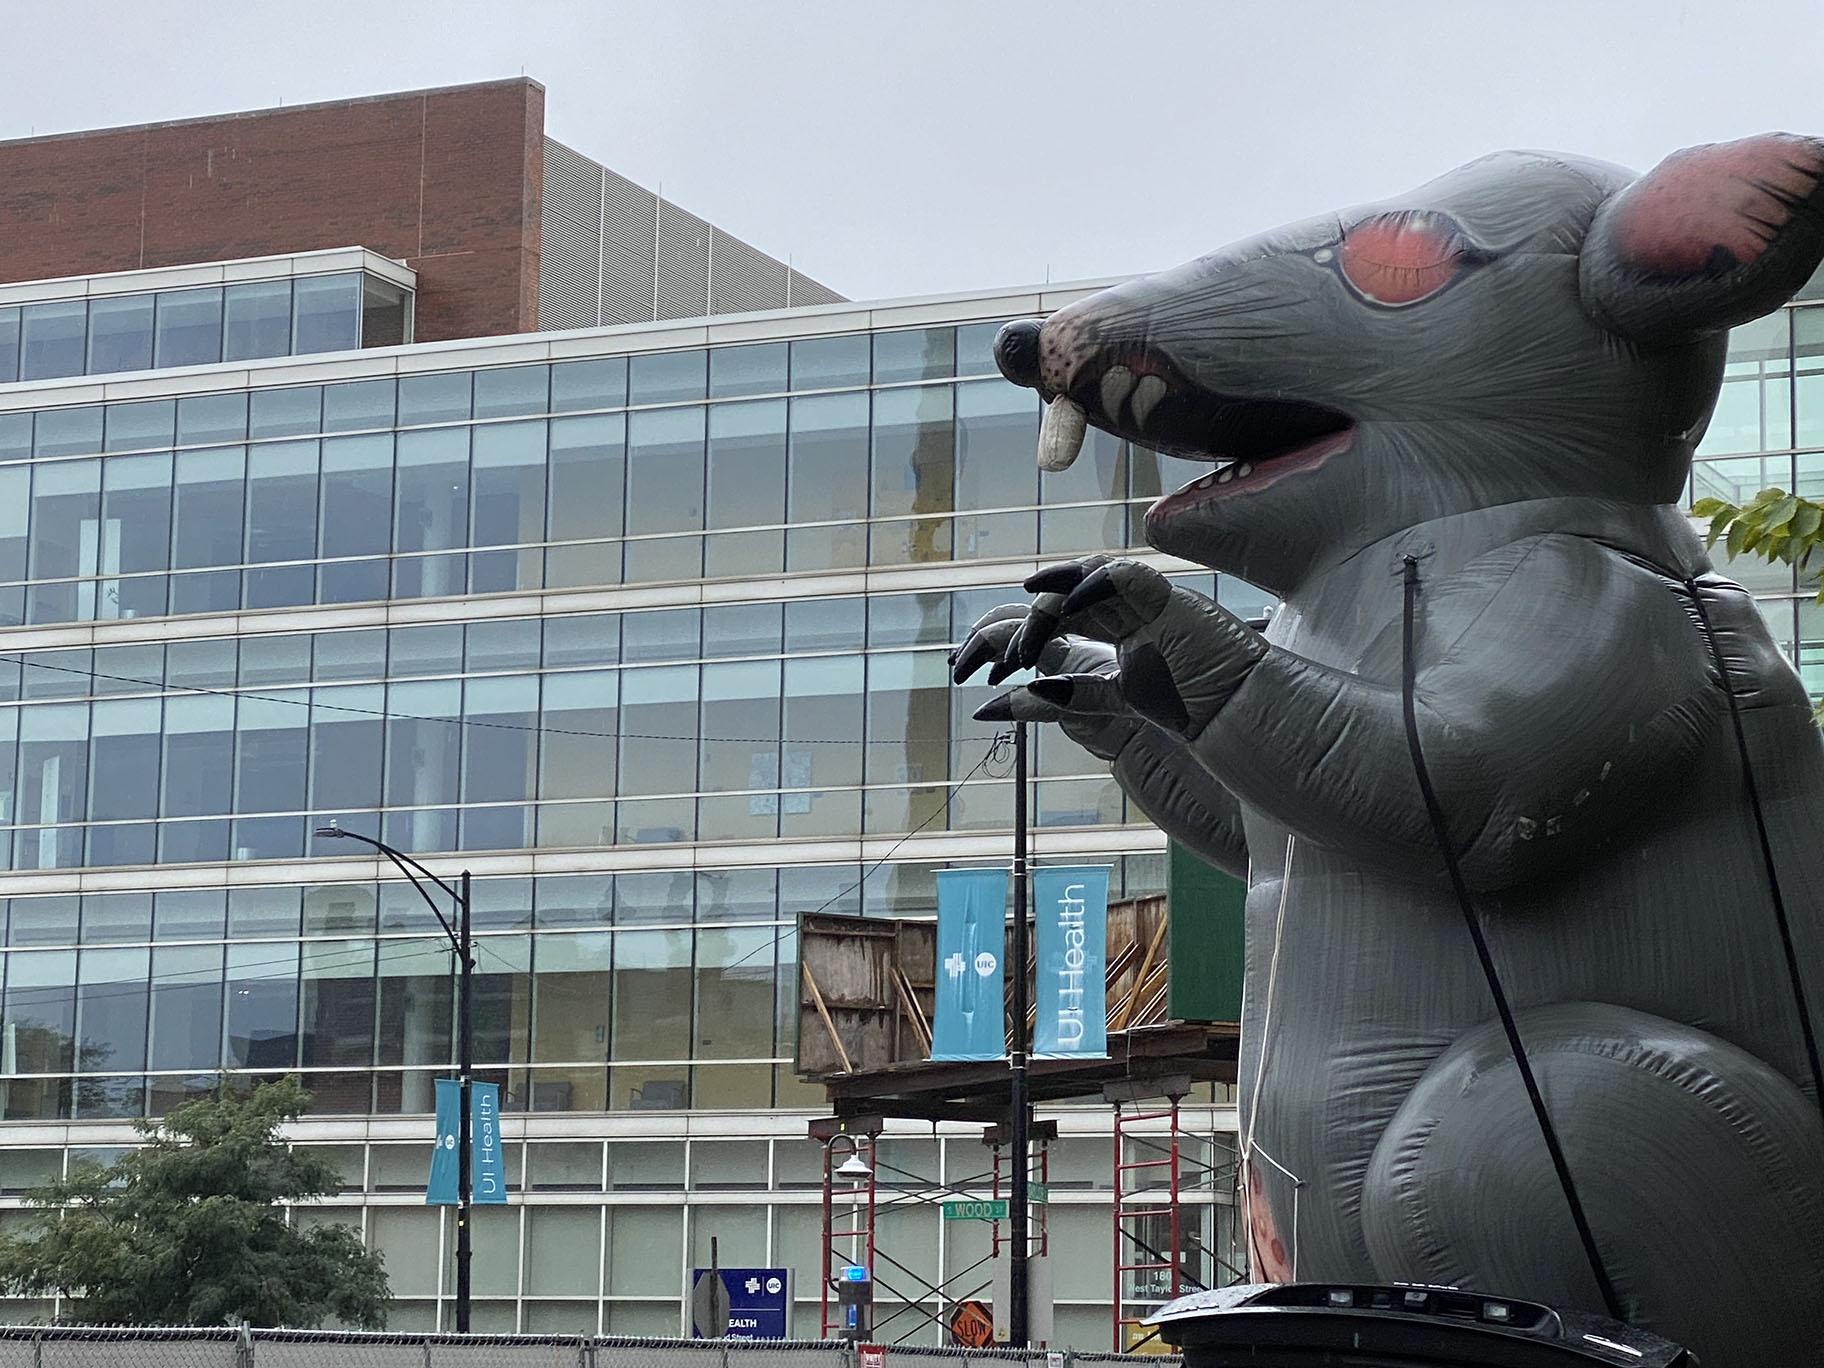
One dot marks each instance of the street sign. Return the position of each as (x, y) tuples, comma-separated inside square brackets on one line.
[(752, 1303), (1038, 1194), (972, 1325), (976, 1211)]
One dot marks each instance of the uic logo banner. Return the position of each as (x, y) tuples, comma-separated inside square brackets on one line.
[(1071, 907), (487, 1162), (970, 1022)]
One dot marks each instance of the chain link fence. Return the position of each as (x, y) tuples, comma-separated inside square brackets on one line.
[(72, 1346)]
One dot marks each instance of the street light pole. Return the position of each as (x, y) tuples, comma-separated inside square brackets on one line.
[(461, 943), (1019, 1312), (465, 1178)]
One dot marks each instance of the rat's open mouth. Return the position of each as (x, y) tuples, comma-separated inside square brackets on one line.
[(1253, 442)]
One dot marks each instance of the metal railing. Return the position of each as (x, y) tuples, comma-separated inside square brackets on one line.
[(129, 1346)]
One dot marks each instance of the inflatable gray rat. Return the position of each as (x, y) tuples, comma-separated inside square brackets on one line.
[(1505, 688)]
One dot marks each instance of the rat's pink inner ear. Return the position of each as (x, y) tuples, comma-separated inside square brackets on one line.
[(1709, 238), (1724, 204)]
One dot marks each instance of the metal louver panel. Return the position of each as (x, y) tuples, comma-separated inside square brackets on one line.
[(614, 252), (629, 221), (743, 278), (683, 263), (569, 272), (804, 291)]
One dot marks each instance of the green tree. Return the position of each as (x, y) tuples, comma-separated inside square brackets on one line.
[(189, 1229), (1774, 525)]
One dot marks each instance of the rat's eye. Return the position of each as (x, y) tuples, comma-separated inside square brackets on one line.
[(1398, 259)]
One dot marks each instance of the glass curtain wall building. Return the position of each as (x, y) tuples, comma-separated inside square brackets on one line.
[(647, 628)]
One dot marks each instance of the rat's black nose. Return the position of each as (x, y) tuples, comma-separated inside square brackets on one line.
[(1016, 352)]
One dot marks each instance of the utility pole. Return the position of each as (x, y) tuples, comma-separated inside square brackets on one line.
[(460, 942), (1019, 1312)]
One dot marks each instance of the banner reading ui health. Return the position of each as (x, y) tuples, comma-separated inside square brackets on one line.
[(1071, 915), (971, 936), (487, 1166)]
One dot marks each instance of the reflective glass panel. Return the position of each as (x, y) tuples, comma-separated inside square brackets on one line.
[(257, 320), (666, 377), (189, 328), (326, 314), (747, 370), (51, 339), (120, 333)]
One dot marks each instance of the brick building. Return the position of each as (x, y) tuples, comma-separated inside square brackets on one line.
[(460, 184)]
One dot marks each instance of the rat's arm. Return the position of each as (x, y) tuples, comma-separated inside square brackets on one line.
[(1556, 684), (1153, 766)]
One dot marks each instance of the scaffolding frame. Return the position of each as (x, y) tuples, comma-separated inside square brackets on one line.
[(1136, 1201), (907, 1291)]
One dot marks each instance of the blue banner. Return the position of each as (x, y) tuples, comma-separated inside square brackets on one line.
[(1071, 916), (971, 938), (487, 1166), (488, 1169), (442, 1189)]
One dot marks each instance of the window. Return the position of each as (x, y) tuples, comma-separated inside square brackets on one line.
[(830, 362), (659, 714), (736, 371), (570, 1023), (9, 346), (651, 1018), (338, 1004), (51, 339), (666, 377), (327, 314), (433, 489), (261, 1030), (828, 481), (123, 759), (597, 384), (440, 398), (186, 1007), (65, 500), (258, 320), (346, 744), (916, 354), (357, 495), (510, 391), (578, 746), (120, 333), (189, 328), (206, 518), (914, 473), (665, 471)]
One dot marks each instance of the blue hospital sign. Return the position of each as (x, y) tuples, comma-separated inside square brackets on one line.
[(758, 1302)]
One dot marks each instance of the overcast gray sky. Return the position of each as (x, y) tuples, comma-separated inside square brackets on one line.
[(915, 147)]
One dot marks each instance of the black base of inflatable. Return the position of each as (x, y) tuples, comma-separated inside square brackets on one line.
[(1352, 1325)]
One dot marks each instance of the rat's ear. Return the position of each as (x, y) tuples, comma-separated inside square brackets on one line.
[(1711, 237)]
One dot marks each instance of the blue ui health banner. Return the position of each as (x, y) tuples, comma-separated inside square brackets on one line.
[(971, 937), (487, 1165), (1071, 915)]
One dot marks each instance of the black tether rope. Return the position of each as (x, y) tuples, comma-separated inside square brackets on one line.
[(1408, 676), (1760, 826)]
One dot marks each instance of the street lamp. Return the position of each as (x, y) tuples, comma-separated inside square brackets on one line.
[(465, 1029)]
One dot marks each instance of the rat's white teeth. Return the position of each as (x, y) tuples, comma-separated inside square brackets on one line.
[(1117, 384), (1147, 395), (1061, 434)]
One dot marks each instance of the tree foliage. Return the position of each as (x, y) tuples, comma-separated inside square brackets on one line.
[(1773, 525), (189, 1229)]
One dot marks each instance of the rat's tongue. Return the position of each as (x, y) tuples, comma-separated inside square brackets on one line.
[(1061, 434)]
